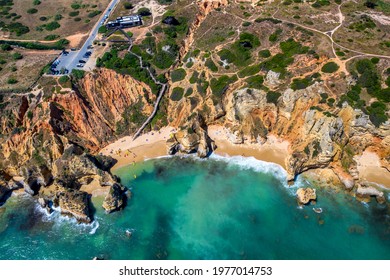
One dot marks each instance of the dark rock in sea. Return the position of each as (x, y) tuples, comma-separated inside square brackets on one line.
[(115, 199), (170, 20), (4, 193)]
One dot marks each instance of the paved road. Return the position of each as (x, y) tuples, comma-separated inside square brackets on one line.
[(71, 60)]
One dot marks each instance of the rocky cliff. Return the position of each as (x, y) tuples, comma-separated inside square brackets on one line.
[(48, 140)]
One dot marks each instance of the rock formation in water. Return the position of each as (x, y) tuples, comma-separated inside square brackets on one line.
[(306, 195), (50, 141)]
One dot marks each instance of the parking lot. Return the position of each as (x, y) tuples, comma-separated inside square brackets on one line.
[(76, 59)]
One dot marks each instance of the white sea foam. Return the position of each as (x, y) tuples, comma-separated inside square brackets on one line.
[(251, 163), (95, 226), (59, 220)]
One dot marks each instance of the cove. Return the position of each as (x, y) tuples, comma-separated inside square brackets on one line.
[(217, 208)]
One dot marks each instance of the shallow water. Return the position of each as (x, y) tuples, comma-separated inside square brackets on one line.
[(186, 208)]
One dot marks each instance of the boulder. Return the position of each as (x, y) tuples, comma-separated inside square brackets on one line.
[(115, 199), (305, 195), (76, 204)]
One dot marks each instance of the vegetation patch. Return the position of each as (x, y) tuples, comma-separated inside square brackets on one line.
[(220, 85), (240, 52), (255, 82), (273, 96), (177, 94), (330, 67), (178, 75)]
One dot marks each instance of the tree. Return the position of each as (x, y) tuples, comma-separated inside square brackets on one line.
[(144, 12), (128, 5), (6, 47)]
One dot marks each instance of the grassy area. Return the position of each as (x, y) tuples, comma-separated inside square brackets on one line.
[(20, 68), (24, 20), (362, 32)]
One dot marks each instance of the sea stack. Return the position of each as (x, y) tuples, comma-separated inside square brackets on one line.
[(305, 195)]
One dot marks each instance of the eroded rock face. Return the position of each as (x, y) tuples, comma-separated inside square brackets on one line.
[(73, 170), (115, 199), (193, 140), (304, 196), (365, 191), (75, 203)]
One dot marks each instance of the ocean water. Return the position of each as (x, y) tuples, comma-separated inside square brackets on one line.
[(187, 208)]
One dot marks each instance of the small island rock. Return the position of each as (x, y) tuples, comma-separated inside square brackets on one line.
[(305, 195)]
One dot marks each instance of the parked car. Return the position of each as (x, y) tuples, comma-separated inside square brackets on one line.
[(80, 65), (73, 49), (81, 61)]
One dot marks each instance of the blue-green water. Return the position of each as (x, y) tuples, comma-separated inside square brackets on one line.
[(186, 208)]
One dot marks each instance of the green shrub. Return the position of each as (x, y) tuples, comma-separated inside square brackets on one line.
[(6, 47), (177, 94), (375, 60), (189, 91), (51, 37), (18, 28), (330, 67), (178, 75), (298, 84), (377, 113), (102, 29), (128, 5), (211, 65), (264, 53), (194, 77), (17, 56), (387, 82), (78, 74), (58, 17), (249, 71), (52, 26), (74, 13), (255, 82), (144, 12), (32, 11), (272, 97), (274, 36), (12, 81), (63, 79), (75, 6), (94, 13), (36, 2), (220, 85)]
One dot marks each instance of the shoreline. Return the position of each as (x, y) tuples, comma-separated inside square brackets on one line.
[(152, 145)]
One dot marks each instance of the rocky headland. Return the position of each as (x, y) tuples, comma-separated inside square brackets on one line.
[(51, 141)]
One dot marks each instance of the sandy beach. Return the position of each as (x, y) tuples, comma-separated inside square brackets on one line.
[(369, 167), (148, 145), (152, 145), (273, 150)]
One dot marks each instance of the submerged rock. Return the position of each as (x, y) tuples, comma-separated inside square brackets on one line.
[(115, 199), (304, 196)]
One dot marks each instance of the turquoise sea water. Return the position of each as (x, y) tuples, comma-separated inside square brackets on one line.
[(186, 208)]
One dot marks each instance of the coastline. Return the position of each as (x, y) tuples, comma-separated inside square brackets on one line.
[(152, 145)]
